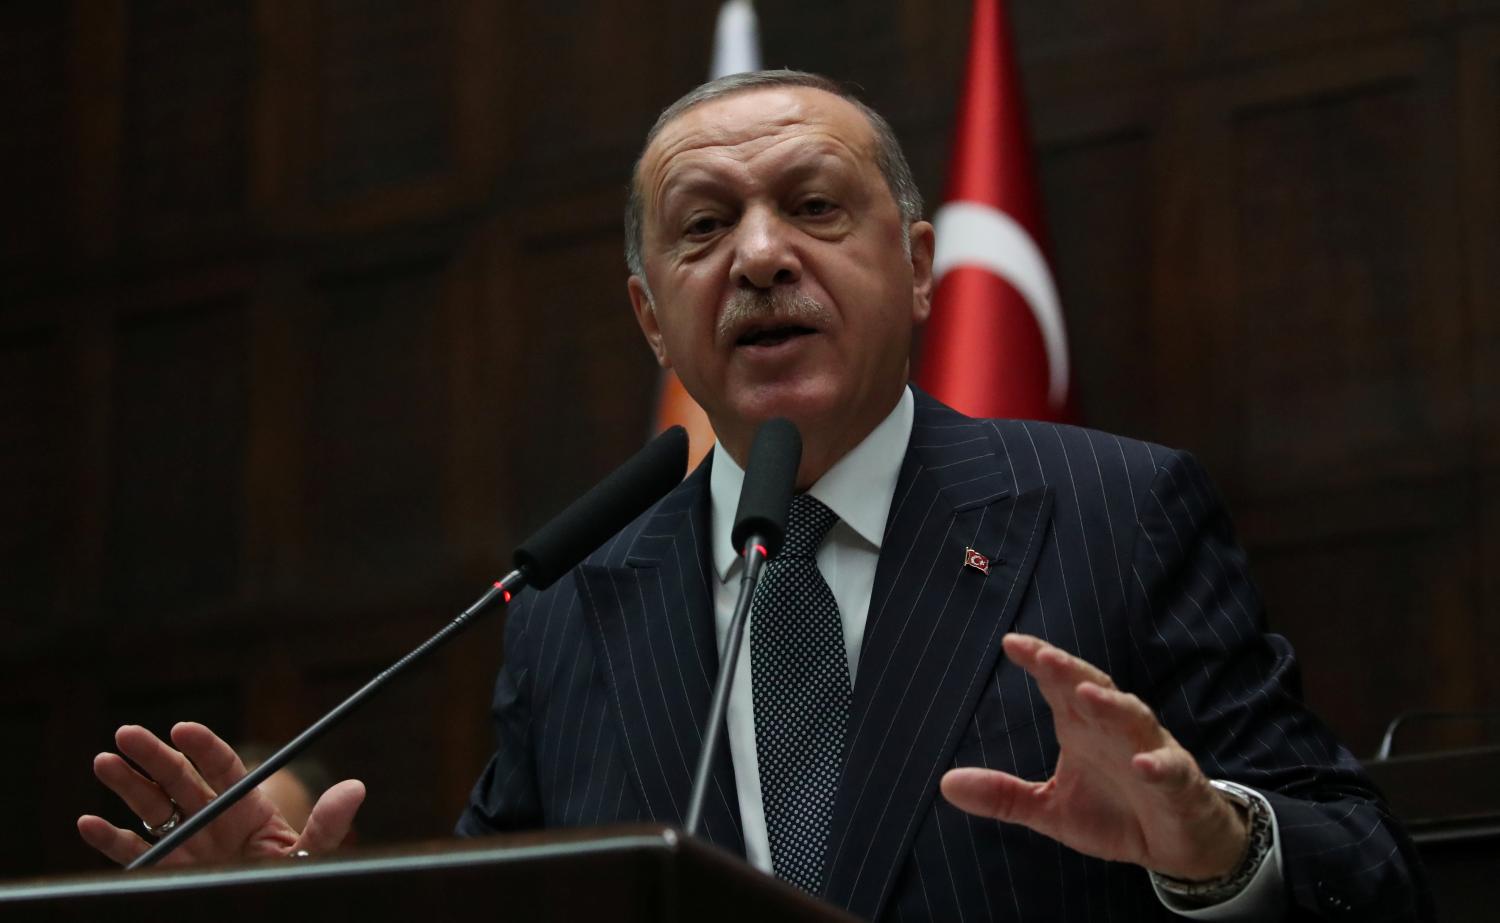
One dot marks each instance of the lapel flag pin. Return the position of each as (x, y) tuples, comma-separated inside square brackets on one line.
[(976, 560)]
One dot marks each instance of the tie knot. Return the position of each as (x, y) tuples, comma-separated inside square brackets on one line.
[(806, 524)]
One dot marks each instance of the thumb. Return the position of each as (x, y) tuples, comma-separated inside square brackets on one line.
[(331, 818), (999, 795)]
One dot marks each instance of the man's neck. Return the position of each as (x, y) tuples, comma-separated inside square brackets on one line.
[(824, 442), (858, 488)]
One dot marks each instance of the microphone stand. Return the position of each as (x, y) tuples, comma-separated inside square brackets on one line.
[(554, 549), (755, 555), (759, 528), (502, 589)]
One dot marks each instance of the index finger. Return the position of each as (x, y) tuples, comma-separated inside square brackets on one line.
[(166, 767), (215, 760), (1052, 666)]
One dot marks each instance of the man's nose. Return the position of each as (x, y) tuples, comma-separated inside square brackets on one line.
[(764, 254)]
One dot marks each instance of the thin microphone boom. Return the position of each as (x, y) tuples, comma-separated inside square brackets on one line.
[(232, 795), (759, 527), (549, 553)]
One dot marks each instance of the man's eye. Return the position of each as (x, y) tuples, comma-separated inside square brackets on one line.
[(815, 208), (704, 225)]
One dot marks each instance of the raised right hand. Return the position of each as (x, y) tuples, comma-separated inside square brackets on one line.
[(190, 775)]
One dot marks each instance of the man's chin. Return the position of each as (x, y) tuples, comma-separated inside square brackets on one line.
[(803, 402)]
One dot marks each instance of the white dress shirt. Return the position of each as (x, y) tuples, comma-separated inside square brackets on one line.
[(859, 489)]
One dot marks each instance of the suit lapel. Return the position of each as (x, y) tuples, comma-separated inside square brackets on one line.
[(932, 638), (649, 612)]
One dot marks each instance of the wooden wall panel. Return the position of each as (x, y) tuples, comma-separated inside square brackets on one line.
[(1250, 28), (566, 88), (1394, 593), (1343, 372), (1480, 184), (1485, 607), (1342, 379), (368, 117), (1105, 274), (383, 97), (800, 36), (279, 313), (177, 485), (97, 78), (34, 107), (89, 341), (33, 538), (1072, 25), (1366, 586), (25, 726), (587, 371), (377, 425), (1479, 203), (490, 402), (185, 153), (142, 696)]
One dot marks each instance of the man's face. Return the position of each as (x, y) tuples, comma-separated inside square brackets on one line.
[(779, 284)]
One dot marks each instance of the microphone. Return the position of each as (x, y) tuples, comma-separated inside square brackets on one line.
[(624, 494), (770, 476), (550, 552), (759, 528)]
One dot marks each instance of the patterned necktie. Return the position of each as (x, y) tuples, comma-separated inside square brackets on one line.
[(800, 686)]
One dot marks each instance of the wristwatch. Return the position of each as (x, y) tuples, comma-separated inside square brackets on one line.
[(1217, 890)]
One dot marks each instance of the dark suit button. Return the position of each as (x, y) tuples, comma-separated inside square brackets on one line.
[(1332, 902)]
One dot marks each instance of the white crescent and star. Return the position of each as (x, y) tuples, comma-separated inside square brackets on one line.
[(982, 236)]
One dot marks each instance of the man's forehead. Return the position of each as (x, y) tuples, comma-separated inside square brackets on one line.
[(760, 117)]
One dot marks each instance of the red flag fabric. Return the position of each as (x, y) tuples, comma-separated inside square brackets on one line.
[(995, 345)]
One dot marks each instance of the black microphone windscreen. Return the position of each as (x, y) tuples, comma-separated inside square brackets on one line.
[(610, 506), (770, 478)]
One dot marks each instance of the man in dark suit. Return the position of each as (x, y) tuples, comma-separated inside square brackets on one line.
[(1012, 671), (779, 265)]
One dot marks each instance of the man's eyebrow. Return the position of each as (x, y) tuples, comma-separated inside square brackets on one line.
[(813, 163), (694, 180), (691, 180), (799, 166), (695, 184)]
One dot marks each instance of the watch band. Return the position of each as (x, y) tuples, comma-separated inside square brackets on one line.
[(1216, 890)]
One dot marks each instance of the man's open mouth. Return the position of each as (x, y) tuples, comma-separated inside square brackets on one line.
[(772, 336)]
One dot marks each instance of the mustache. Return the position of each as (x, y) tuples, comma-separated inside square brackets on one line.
[(792, 308)]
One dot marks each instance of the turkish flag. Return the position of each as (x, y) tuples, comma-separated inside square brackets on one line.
[(995, 345)]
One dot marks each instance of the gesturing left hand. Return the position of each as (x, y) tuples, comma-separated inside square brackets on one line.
[(185, 775), (1124, 789)]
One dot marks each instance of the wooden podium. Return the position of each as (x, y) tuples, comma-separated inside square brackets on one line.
[(619, 873)]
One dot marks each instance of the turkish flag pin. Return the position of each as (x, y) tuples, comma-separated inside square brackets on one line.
[(976, 560)]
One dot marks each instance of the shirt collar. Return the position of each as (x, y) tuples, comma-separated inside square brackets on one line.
[(858, 488)]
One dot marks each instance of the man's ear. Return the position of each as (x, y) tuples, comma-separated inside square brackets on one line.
[(922, 246), (645, 315)]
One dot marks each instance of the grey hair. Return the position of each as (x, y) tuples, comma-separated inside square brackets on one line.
[(888, 155)]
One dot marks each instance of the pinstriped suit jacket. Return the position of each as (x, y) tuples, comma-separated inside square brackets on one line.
[(1116, 550)]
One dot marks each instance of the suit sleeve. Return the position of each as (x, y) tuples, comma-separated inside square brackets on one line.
[(506, 795), (1230, 693)]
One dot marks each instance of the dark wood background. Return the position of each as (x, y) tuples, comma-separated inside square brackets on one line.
[(310, 310)]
